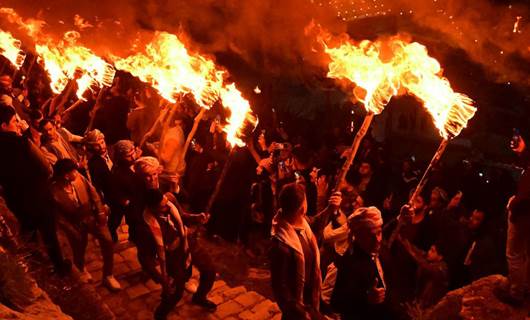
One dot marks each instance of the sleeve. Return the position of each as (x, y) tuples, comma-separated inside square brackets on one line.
[(100, 177), (331, 235), (280, 278), (72, 137), (154, 228), (94, 196), (319, 222)]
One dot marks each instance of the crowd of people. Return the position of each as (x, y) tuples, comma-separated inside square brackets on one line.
[(354, 249)]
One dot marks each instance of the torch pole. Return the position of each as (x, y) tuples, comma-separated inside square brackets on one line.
[(354, 148), (97, 105), (31, 64), (220, 181), (421, 185), (193, 131), (425, 177)]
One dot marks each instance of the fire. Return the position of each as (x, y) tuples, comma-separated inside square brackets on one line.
[(385, 68), (167, 65), (361, 64), (65, 61), (240, 111), (10, 49), (516, 24), (31, 26), (422, 76)]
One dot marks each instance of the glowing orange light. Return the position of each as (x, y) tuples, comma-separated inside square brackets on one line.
[(385, 68), (10, 49)]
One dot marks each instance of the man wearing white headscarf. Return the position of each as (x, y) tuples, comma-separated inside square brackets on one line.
[(360, 290)]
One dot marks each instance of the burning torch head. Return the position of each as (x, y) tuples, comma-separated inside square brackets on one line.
[(108, 75), (21, 56)]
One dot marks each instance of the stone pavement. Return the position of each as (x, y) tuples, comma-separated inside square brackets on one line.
[(139, 298)]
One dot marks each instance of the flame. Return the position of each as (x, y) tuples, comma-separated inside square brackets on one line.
[(240, 111), (385, 68), (516, 24), (65, 61), (31, 26), (10, 49), (422, 76), (361, 64), (167, 65)]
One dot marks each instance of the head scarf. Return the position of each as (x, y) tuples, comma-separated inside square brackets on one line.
[(147, 165), (123, 148), (93, 136), (366, 217)]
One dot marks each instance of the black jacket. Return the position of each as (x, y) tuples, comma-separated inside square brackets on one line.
[(356, 274), (24, 174)]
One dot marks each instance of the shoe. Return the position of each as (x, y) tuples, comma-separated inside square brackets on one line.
[(191, 286), (111, 283), (205, 303), (85, 277)]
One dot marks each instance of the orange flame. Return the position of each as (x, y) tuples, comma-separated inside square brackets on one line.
[(240, 111), (380, 69), (10, 49), (64, 59), (31, 26), (362, 65), (167, 65)]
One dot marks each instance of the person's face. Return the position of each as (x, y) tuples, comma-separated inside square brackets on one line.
[(71, 176), (418, 203), (100, 147), (151, 179), (131, 157), (476, 219), (49, 131), (436, 201), (358, 203), (369, 239), (11, 126), (433, 255), (365, 169), (163, 207), (35, 122), (304, 207)]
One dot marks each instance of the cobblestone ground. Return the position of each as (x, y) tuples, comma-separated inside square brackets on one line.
[(139, 298)]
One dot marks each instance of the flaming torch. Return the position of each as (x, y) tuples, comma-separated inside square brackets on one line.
[(10, 49), (168, 66), (451, 111), (241, 117), (421, 76), (365, 65), (65, 61)]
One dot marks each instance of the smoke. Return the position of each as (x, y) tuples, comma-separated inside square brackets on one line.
[(485, 30), (269, 35)]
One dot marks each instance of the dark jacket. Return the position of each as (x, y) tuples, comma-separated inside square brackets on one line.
[(24, 176), (356, 274), (288, 272), (101, 177)]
